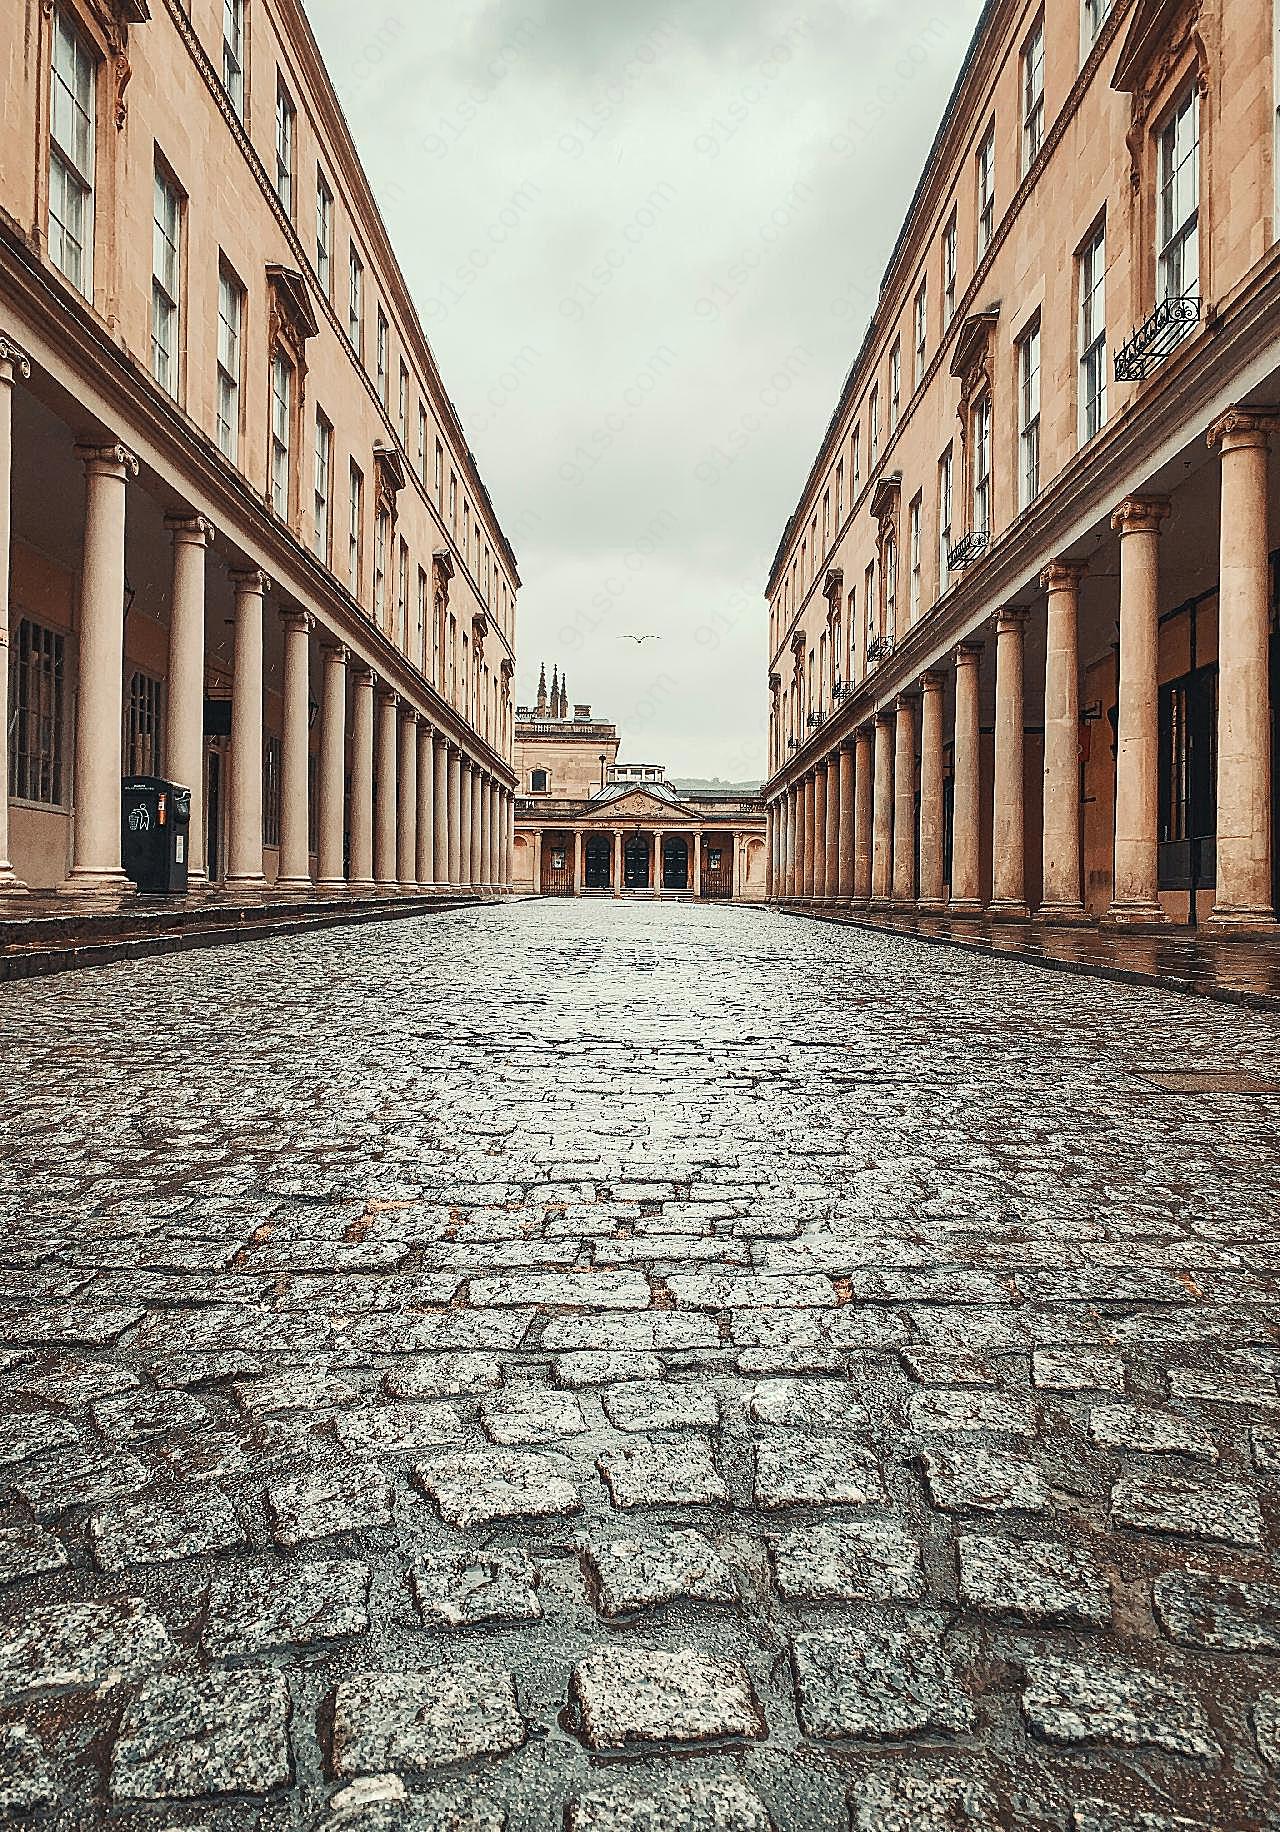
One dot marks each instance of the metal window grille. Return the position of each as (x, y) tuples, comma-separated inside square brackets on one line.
[(37, 711), (313, 803), (272, 762), (142, 735)]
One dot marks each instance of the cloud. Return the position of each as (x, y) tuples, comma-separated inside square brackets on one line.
[(645, 243)]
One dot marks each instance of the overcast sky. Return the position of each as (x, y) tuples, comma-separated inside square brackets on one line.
[(645, 241)]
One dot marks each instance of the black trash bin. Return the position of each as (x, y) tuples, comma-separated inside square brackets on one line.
[(155, 818)]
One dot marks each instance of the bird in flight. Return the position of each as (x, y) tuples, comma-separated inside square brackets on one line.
[(626, 636)]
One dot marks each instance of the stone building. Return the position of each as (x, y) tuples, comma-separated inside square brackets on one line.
[(243, 541), (1023, 618), (587, 824)]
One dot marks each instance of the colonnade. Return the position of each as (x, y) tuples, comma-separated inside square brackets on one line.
[(422, 812), (844, 827)]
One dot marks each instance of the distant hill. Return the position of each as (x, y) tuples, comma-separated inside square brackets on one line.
[(699, 785)]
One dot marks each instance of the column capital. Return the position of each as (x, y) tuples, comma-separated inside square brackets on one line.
[(932, 680), (334, 650), (1242, 427), (386, 694), (295, 619), (409, 714), (14, 360), (190, 530), (906, 701), (968, 654), (1064, 575), (885, 716), (250, 580), (1011, 617), (363, 675), (107, 460), (1140, 514)]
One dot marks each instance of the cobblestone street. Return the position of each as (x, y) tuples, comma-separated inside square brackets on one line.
[(635, 1368)]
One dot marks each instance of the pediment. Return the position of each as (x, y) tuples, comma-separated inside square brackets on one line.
[(638, 805)]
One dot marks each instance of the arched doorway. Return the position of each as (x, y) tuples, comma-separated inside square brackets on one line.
[(635, 863), (675, 863), (597, 870)]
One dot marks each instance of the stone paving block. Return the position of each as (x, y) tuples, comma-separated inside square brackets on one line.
[(930, 1285), (751, 1290), (394, 1431), (443, 1376), (1039, 1580), (26, 1434), (156, 1532), (66, 1325), (382, 1803), (74, 1383), (633, 1574), (665, 1473), (456, 1589), (1203, 1611), (1078, 1371), (1150, 1430), (525, 1414), (965, 1410), (873, 1561), (413, 1722), (254, 1609), (946, 1368), (305, 1389), (1266, 1450), (473, 1487), (812, 1405), (629, 1695), (665, 1331), (882, 1681), (26, 1552), (135, 1417), (189, 1736), (80, 1647), (600, 1368), (1266, 1727), (793, 1471), (653, 1405), (984, 1482), (26, 1779), (907, 1800), (78, 1477), (719, 1803), (1221, 1511), (1242, 1386), (564, 1290), (329, 1501), (1084, 1703), (1098, 1816)]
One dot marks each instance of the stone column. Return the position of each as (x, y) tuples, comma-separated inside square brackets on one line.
[(904, 810), (440, 752), (818, 889), (882, 841), (295, 851), (425, 863), (477, 827), (831, 889), (407, 800), (844, 869), (511, 840), (362, 782), (1008, 828), (464, 822), (793, 844), (932, 887), (1061, 900), (616, 886), (1245, 891), (771, 850), (493, 813), (384, 832), (696, 858), (809, 889), (184, 705), (333, 766), (537, 862), (1135, 895), (863, 816), (15, 365), (577, 864), (453, 823), (966, 835), (244, 851), (95, 855)]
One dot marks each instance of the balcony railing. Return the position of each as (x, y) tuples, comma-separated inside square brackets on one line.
[(1172, 321), (969, 548)]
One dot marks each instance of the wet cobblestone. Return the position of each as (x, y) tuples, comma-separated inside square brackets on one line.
[(644, 1369)]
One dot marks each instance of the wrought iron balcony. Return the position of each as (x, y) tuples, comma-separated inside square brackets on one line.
[(1172, 321), (969, 548)]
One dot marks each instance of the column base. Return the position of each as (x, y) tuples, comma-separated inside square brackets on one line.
[(968, 908), (859, 903), (930, 906), (1227, 922), (11, 885), (881, 906), (332, 887), (362, 887), (294, 884), (1135, 916), (1004, 909), (1064, 915), (89, 881)]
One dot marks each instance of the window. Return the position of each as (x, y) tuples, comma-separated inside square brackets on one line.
[(381, 531), (950, 252), (72, 122), (355, 304), (423, 591), (142, 749), (539, 781), (37, 714), (982, 466), (286, 121), (439, 476), (453, 504), (272, 772), (1096, 13), (1033, 95), (355, 531), (857, 463), (839, 495), (1178, 267), (986, 190), (913, 527), (422, 444), (921, 316), (281, 414), (826, 519), (875, 425), (890, 588), (869, 600), (402, 412), (324, 235), (233, 54), (230, 326), (166, 269), (1093, 336), (384, 339), (895, 384), (466, 532), (324, 486), (402, 597), (1029, 417)]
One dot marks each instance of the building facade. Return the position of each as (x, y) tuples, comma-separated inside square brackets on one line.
[(590, 825), (243, 542), (1023, 618)]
